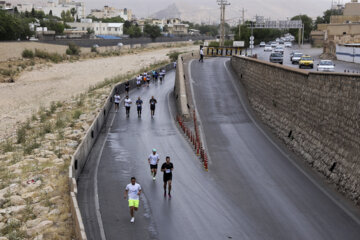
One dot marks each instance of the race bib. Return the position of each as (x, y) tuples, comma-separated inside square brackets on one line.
[(168, 170)]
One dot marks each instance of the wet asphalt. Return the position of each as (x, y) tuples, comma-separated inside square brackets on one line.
[(252, 190)]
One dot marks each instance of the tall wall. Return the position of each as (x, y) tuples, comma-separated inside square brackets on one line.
[(316, 114)]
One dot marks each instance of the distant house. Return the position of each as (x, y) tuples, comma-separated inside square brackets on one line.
[(110, 12), (178, 29), (99, 28)]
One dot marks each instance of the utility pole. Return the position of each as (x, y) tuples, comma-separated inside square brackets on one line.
[(241, 22), (222, 4)]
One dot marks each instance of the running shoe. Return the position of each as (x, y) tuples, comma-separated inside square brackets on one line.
[(132, 220), (154, 178), (164, 194), (169, 195)]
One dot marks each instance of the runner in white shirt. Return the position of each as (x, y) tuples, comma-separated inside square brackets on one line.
[(117, 101), (127, 103), (138, 81), (132, 192), (153, 161)]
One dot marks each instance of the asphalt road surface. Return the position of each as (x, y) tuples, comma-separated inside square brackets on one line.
[(252, 190), (340, 66)]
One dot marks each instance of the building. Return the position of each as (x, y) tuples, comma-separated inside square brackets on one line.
[(99, 28), (56, 8), (342, 30), (5, 5), (110, 12), (178, 29)]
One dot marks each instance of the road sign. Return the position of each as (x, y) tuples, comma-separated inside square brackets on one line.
[(252, 38), (251, 47), (252, 42), (238, 44), (206, 44)]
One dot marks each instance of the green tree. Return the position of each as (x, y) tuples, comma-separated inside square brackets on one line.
[(13, 27), (32, 14), (73, 12), (66, 16), (308, 26), (325, 19), (152, 31), (50, 13)]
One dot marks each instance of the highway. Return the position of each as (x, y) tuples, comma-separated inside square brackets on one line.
[(253, 189), (340, 66)]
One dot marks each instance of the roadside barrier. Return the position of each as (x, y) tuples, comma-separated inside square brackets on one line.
[(194, 139)]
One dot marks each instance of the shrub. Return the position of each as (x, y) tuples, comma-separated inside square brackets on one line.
[(28, 53), (30, 146), (21, 134), (214, 44), (7, 146), (77, 114), (54, 57), (73, 49), (94, 49), (174, 56)]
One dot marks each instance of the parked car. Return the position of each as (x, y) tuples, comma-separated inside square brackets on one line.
[(288, 44), (274, 44), (268, 48), (296, 57), (326, 66), (306, 61), (279, 49), (276, 58), (262, 44)]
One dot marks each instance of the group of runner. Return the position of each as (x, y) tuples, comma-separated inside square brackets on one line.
[(146, 77), (133, 189)]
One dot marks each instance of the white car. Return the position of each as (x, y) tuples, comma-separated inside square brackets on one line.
[(288, 44), (268, 48), (326, 66), (262, 44), (279, 49), (274, 44)]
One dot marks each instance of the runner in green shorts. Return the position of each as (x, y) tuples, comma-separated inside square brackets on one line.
[(132, 192)]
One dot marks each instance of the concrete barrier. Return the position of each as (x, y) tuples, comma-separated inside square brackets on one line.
[(315, 114), (180, 88), (81, 154)]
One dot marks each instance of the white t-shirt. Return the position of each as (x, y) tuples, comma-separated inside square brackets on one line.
[(153, 159), (138, 79), (117, 98), (133, 191), (128, 102), (201, 52)]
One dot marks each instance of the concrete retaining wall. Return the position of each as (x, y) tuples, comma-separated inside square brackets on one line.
[(180, 88), (316, 114), (348, 53), (78, 160)]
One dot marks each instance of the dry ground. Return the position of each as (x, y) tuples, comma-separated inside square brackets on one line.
[(59, 82)]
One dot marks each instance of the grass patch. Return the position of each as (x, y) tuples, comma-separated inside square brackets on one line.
[(21, 134), (7, 146), (174, 56), (54, 57), (77, 114), (28, 53), (30, 146)]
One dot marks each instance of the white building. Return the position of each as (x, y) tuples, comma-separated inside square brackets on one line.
[(100, 28), (56, 8), (110, 12)]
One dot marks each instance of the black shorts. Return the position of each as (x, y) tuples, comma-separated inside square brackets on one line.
[(117, 104), (152, 107), (139, 108), (167, 177), (153, 166), (127, 108)]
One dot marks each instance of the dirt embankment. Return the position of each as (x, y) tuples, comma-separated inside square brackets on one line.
[(58, 82)]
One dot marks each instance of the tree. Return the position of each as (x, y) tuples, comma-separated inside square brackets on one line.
[(66, 16), (325, 19), (152, 31), (16, 11), (308, 26), (32, 12), (73, 12), (50, 13), (166, 28)]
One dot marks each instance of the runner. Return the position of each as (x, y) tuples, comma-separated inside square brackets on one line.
[(167, 168), (138, 81), (117, 101), (127, 103), (139, 104), (153, 161), (156, 75), (127, 87), (132, 192), (148, 78), (175, 63), (152, 103), (144, 78)]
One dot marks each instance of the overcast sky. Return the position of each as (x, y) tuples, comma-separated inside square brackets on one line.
[(276, 9)]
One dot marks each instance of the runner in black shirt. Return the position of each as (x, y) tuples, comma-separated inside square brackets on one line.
[(127, 87), (167, 168), (152, 102), (139, 104)]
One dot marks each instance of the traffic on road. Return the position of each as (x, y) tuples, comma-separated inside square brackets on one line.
[(303, 56)]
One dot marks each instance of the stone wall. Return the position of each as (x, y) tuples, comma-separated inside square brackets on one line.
[(316, 114)]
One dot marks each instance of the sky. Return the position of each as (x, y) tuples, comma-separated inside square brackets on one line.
[(276, 9)]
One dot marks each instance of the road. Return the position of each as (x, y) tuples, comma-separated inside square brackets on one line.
[(252, 191), (340, 66)]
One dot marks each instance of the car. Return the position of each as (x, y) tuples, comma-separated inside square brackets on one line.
[(279, 49), (281, 42), (95, 46), (288, 44), (120, 44), (262, 44), (296, 57), (276, 58), (306, 61), (274, 44), (326, 66), (268, 48)]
